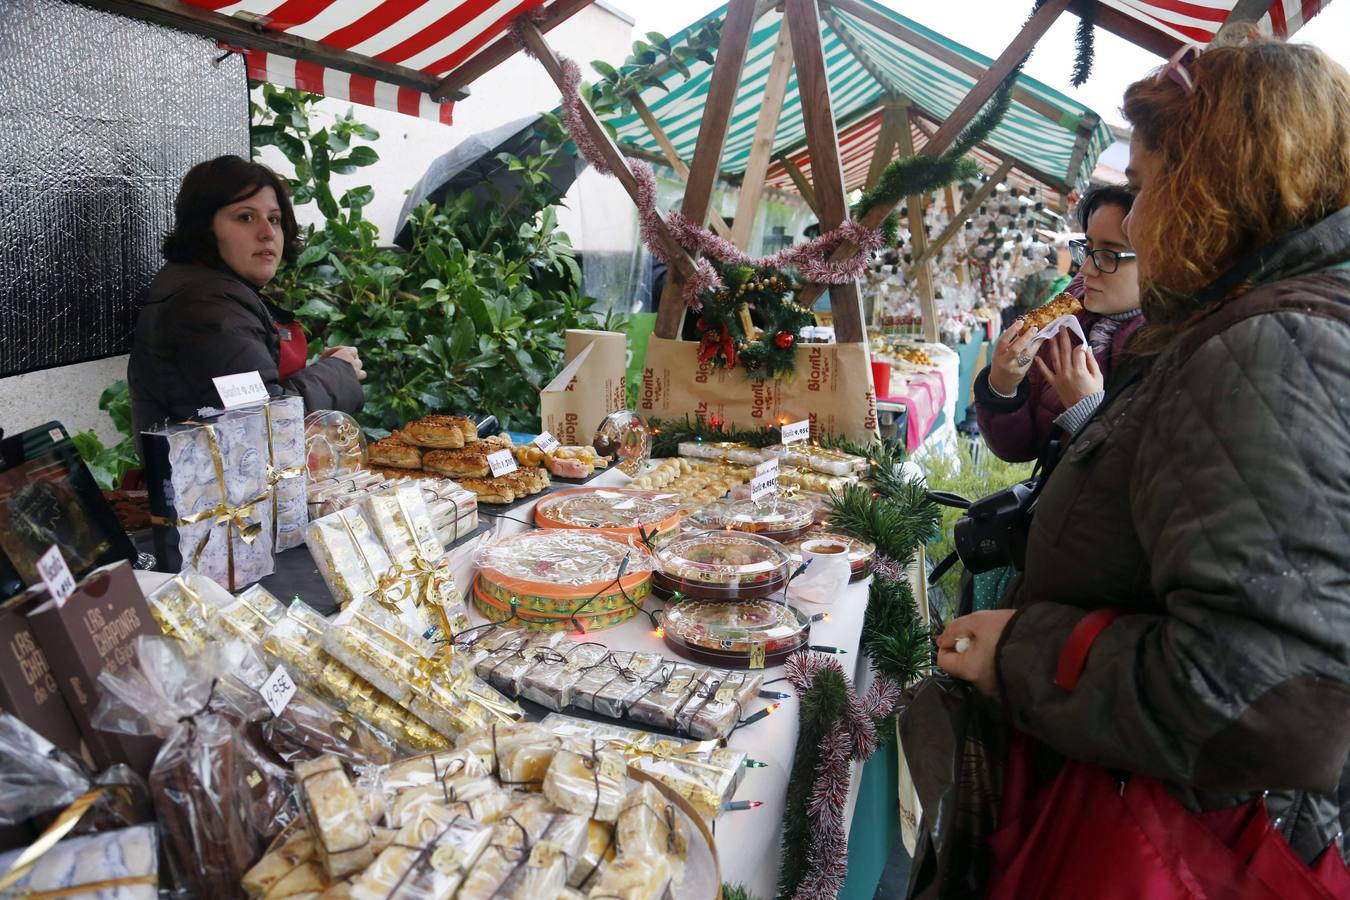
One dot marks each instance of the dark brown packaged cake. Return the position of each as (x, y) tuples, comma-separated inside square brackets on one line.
[(96, 630)]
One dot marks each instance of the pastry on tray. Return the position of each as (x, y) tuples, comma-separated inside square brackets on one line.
[(528, 455), (1061, 305), (395, 453), (490, 490), (441, 432), (463, 462)]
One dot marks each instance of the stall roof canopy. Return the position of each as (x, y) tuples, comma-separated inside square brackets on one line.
[(404, 55), (872, 53), (1164, 25)]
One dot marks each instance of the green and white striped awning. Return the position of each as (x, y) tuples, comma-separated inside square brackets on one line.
[(1053, 138)]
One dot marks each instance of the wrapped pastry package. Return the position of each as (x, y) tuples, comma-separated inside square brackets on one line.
[(505, 669), (249, 617), (477, 644), (477, 797), (586, 869), (210, 497), (661, 702), (185, 605), (333, 809), (287, 473), (722, 451), (289, 868), (633, 877), (543, 872), (552, 683), (115, 865), (611, 688), (590, 784), (714, 711), (492, 745), (819, 459), (428, 860), (649, 825), (400, 519), (350, 558), (512, 834)]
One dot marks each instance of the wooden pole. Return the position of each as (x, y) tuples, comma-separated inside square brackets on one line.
[(761, 148), (712, 134), (680, 263), (801, 182), (822, 141), (892, 121), (981, 194), (1080, 145), (644, 112), (918, 240), (950, 201), (965, 111)]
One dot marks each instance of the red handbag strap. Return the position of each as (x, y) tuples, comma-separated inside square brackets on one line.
[(1073, 657)]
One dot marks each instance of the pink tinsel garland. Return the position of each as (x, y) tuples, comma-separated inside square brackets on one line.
[(853, 737), (812, 259)]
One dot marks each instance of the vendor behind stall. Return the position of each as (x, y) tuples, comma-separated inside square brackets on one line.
[(203, 315)]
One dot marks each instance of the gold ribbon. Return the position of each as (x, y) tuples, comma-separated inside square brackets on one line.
[(275, 475), (64, 824), (384, 592), (428, 578), (223, 514)]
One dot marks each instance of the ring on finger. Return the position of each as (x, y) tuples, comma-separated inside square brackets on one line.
[(1023, 360)]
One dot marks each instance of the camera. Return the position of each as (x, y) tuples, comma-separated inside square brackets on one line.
[(993, 532)]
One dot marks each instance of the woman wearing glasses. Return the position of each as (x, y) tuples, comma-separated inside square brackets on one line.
[(1034, 391)]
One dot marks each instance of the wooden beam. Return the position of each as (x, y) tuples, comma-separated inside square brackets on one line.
[(966, 110), (923, 117), (949, 200), (502, 49), (1080, 145), (800, 181), (892, 121), (1135, 31), (923, 43), (679, 261), (761, 147), (918, 240), (822, 141), (672, 158), (254, 35), (958, 220), (859, 52), (712, 135)]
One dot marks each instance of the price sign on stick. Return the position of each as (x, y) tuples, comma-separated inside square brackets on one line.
[(765, 481), (797, 431), (56, 575), (277, 690), (546, 442), (503, 462)]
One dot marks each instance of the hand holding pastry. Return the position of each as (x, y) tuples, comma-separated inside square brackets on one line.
[(1012, 357)]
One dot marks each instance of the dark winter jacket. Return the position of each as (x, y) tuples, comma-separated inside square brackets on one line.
[(199, 323), (1019, 428), (1210, 499)]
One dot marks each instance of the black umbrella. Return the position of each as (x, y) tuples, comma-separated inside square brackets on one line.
[(472, 167)]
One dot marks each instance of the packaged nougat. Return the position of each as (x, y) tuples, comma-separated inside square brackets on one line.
[(248, 618), (609, 689), (650, 825), (506, 670), (400, 519), (590, 783), (552, 683), (634, 878), (335, 816), (456, 779), (512, 836), (585, 870), (478, 644), (480, 798), (543, 871), (290, 868), (287, 472), (496, 743), (185, 605), (660, 705), (428, 859), (714, 711), (350, 557)]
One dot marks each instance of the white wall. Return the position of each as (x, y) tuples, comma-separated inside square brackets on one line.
[(68, 394)]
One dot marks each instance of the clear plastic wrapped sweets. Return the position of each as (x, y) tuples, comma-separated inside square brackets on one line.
[(428, 860), (185, 605), (290, 868), (610, 688), (543, 872), (522, 826), (249, 617), (506, 668), (335, 817), (591, 783), (401, 521), (113, 865), (634, 878), (661, 702), (552, 682), (210, 499), (649, 825), (351, 558), (287, 474)]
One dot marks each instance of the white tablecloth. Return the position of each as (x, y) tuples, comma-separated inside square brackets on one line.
[(747, 841)]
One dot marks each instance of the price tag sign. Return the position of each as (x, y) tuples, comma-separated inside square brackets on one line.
[(756, 656), (546, 442), (797, 431), (765, 481), (56, 575), (502, 463), (613, 768), (277, 690), (56, 435), (241, 389)]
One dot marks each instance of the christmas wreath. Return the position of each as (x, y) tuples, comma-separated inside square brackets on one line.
[(751, 321)]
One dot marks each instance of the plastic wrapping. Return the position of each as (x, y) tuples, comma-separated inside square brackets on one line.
[(512, 836), (428, 860), (289, 868), (735, 634), (352, 560), (248, 618), (714, 711), (401, 521), (649, 825), (543, 872), (475, 796), (505, 669), (614, 510), (590, 783), (334, 444), (607, 688), (287, 474), (721, 565), (861, 552), (217, 798), (632, 877), (625, 437), (552, 682), (819, 459), (775, 517), (723, 451), (661, 703), (185, 605), (115, 865), (335, 816), (600, 849), (494, 744)]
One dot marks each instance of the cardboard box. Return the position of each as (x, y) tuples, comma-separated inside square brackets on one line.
[(592, 384), (96, 629), (28, 689)]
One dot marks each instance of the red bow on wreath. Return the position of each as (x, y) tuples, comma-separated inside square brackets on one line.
[(714, 339)]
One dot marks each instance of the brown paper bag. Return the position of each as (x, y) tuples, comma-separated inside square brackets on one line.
[(592, 385), (832, 386)]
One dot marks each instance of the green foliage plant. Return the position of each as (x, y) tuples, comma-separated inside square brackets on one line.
[(109, 464)]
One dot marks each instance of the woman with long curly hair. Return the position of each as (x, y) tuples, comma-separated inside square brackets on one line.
[(1185, 609)]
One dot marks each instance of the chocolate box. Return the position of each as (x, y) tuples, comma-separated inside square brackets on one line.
[(28, 689), (97, 629)]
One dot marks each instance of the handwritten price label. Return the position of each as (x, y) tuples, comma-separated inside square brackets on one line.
[(240, 390), (546, 442), (797, 431), (502, 463), (765, 481), (756, 656), (277, 690), (56, 575)]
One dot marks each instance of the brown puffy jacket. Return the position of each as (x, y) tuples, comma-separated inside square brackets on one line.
[(1210, 498), (198, 323)]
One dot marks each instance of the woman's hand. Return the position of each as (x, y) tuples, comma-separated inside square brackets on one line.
[(1073, 371), (966, 648), (1012, 358), (348, 355)]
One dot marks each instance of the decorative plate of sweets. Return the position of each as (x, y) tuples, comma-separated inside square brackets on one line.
[(617, 510), (741, 634), (721, 565), (775, 517)]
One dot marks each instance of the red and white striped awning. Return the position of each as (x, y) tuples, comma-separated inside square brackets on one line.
[(402, 55), (1164, 25)]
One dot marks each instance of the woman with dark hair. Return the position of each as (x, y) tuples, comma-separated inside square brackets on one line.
[(203, 315), (1184, 613), (1028, 395)]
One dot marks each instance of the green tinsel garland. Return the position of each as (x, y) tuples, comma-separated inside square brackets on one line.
[(894, 636), (668, 434), (1085, 40), (819, 709)]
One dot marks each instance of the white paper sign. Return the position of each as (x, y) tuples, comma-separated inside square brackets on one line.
[(240, 390), (797, 431), (277, 690), (56, 435), (765, 481), (503, 462), (546, 442), (56, 575)]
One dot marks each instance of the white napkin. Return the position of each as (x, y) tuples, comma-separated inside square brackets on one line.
[(1054, 328)]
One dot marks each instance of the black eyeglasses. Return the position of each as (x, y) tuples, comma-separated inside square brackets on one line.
[(1106, 261)]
